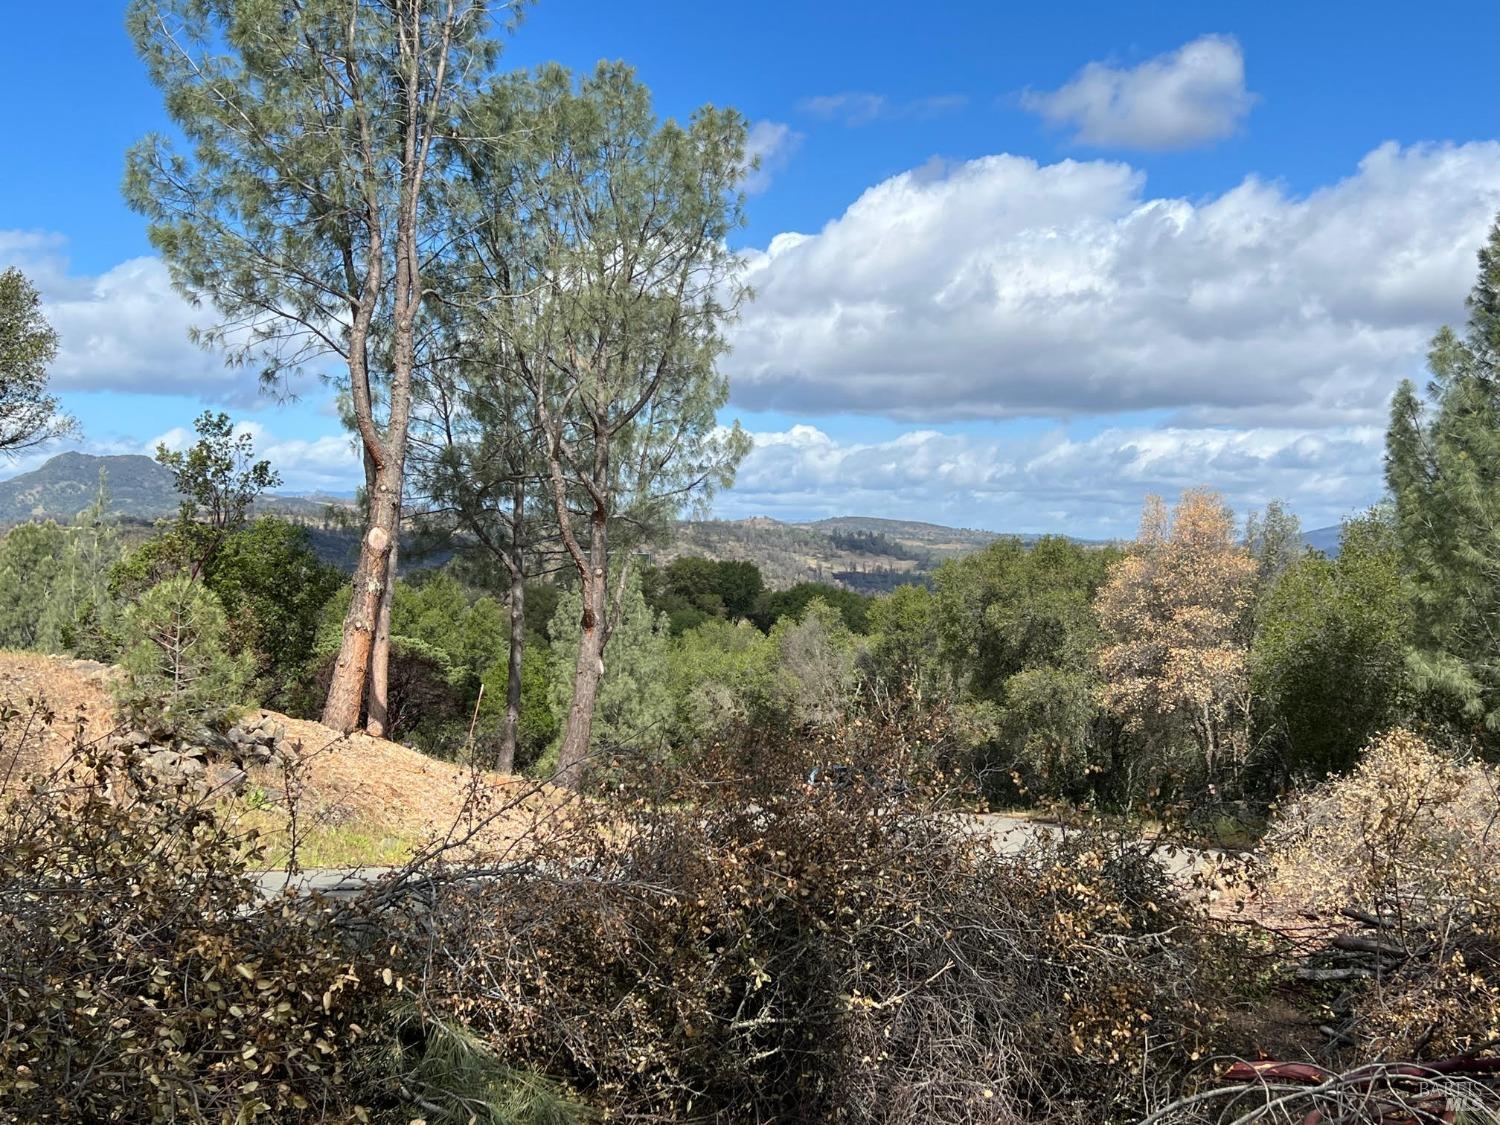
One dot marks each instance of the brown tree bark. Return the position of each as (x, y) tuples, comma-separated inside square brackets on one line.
[(594, 622), (377, 706), (386, 451), (346, 691), (573, 754), (342, 708), (510, 736)]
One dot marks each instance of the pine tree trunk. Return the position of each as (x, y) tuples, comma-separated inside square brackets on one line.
[(592, 562), (346, 691), (506, 762), (373, 574), (511, 736), (377, 707), (587, 673)]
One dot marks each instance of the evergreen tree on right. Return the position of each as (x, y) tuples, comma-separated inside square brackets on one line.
[(1443, 470)]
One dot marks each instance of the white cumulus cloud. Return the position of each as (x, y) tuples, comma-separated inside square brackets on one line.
[(1191, 96), (1001, 287), (326, 463), (125, 329)]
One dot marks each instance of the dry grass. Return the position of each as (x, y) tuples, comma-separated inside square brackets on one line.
[(76, 690), (352, 800)]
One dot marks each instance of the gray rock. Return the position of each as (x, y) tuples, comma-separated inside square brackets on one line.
[(175, 765), (163, 762)]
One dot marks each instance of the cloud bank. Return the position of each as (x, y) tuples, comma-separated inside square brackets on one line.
[(1088, 486), (124, 329), (1248, 339), (329, 463), (1001, 287)]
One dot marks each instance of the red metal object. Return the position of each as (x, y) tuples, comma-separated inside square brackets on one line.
[(1305, 1073)]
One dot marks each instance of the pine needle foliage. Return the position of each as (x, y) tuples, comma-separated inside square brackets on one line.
[(29, 416), (180, 677), (454, 1079), (1443, 469)]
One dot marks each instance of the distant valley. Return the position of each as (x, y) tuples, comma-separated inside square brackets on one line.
[(862, 553)]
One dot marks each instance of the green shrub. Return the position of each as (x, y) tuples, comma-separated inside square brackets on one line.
[(633, 710), (538, 725), (179, 676), (771, 607), (1329, 661), (720, 677), (273, 588), (815, 677), (271, 583), (55, 581)]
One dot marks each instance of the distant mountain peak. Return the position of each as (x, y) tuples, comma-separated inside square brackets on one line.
[(139, 488), (64, 485)]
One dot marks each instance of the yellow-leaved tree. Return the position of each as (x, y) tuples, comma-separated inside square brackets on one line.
[(1174, 616)]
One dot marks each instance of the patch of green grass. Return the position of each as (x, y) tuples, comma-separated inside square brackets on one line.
[(356, 844), (459, 1081)]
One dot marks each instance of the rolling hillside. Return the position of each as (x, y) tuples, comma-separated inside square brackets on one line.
[(863, 553), (789, 553), (66, 484)]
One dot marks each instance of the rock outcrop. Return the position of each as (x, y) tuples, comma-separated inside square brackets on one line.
[(216, 761)]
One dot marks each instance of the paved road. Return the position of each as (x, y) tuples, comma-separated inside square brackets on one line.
[(1010, 835), (341, 883)]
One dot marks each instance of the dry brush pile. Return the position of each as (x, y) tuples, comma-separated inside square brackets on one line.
[(739, 945), (1407, 848), (1396, 868), (731, 942), (145, 977)]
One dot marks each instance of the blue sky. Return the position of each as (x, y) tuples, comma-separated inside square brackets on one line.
[(1018, 264)]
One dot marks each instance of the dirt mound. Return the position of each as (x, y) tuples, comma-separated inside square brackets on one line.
[(352, 785), (350, 799), (75, 691)]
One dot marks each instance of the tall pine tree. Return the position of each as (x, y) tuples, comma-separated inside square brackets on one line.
[(303, 203), (1443, 469)]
